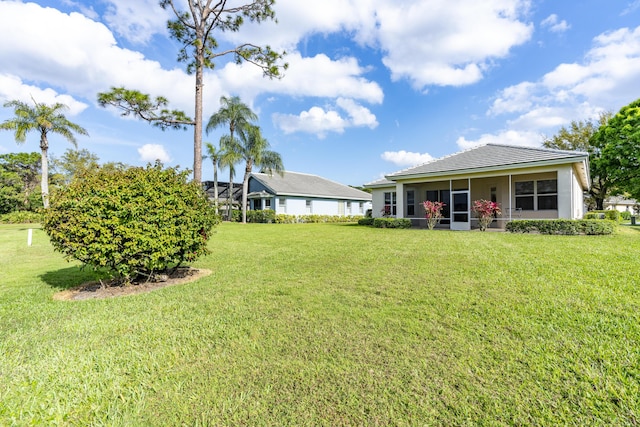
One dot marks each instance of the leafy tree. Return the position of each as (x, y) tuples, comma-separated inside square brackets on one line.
[(132, 222), (73, 162), (19, 175), (194, 29), (618, 146), (44, 119), (578, 137), (254, 150)]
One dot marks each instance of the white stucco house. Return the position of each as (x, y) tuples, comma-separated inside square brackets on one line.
[(296, 193), (527, 182), (622, 204)]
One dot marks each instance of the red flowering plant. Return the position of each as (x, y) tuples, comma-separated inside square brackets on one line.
[(433, 212), (485, 210)]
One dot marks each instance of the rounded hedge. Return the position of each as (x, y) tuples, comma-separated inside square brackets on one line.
[(132, 222)]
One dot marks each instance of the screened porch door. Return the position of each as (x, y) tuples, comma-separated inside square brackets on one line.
[(460, 215)]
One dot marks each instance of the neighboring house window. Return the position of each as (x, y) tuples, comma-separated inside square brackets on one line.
[(411, 200), (361, 208), (282, 204), (390, 203), (267, 203), (348, 208), (257, 204), (537, 195), (308, 207), (341, 207)]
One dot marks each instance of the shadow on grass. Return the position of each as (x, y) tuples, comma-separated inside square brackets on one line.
[(69, 277)]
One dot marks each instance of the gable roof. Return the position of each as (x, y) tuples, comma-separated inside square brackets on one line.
[(306, 185), (496, 157)]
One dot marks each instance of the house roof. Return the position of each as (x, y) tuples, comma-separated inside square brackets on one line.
[(306, 185), (496, 157)]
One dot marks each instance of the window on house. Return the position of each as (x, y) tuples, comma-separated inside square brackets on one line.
[(361, 208), (348, 208), (389, 203), (282, 204), (267, 203), (547, 194), (308, 207), (411, 200), (537, 195)]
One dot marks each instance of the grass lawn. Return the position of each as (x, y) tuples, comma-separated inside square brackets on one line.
[(321, 324)]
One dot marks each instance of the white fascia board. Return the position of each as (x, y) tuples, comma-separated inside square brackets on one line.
[(502, 168)]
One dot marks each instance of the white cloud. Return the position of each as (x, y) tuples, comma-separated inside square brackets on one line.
[(12, 88), (406, 158), (319, 121), (510, 137), (317, 76), (359, 115), (136, 21), (316, 121), (433, 43), (554, 24), (428, 42), (81, 56), (572, 91), (152, 152)]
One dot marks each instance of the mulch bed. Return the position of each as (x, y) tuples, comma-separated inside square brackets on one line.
[(111, 289)]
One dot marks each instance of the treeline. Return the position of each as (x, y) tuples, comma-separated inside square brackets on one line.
[(20, 175)]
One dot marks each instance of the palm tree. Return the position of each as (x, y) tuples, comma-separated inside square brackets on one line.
[(44, 119), (214, 154), (229, 158), (234, 112), (254, 150)]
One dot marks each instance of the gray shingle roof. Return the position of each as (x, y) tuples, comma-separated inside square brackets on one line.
[(301, 184), (491, 156)]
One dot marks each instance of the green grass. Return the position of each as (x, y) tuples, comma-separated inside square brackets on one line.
[(317, 324)]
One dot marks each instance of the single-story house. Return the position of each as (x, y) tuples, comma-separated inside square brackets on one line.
[(527, 182), (296, 193), (622, 204)]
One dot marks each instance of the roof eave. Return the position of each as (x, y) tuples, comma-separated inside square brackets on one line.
[(524, 165)]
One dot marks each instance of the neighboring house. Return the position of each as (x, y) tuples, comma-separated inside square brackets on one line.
[(303, 194), (621, 204), (223, 194), (527, 182)]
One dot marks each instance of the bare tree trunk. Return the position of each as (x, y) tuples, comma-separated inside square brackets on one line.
[(197, 131), (230, 198), (44, 181), (215, 186), (245, 189)]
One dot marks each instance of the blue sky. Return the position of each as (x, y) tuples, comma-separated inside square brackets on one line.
[(373, 86)]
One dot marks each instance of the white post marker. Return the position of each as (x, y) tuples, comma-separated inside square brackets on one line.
[(29, 236)]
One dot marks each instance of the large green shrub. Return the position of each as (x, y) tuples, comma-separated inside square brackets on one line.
[(133, 222)]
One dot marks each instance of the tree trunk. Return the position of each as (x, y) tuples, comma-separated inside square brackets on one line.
[(245, 189), (230, 198), (215, 185), (197, 129), (44, 163)]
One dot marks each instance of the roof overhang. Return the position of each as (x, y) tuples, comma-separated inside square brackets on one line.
[(580, 162)]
